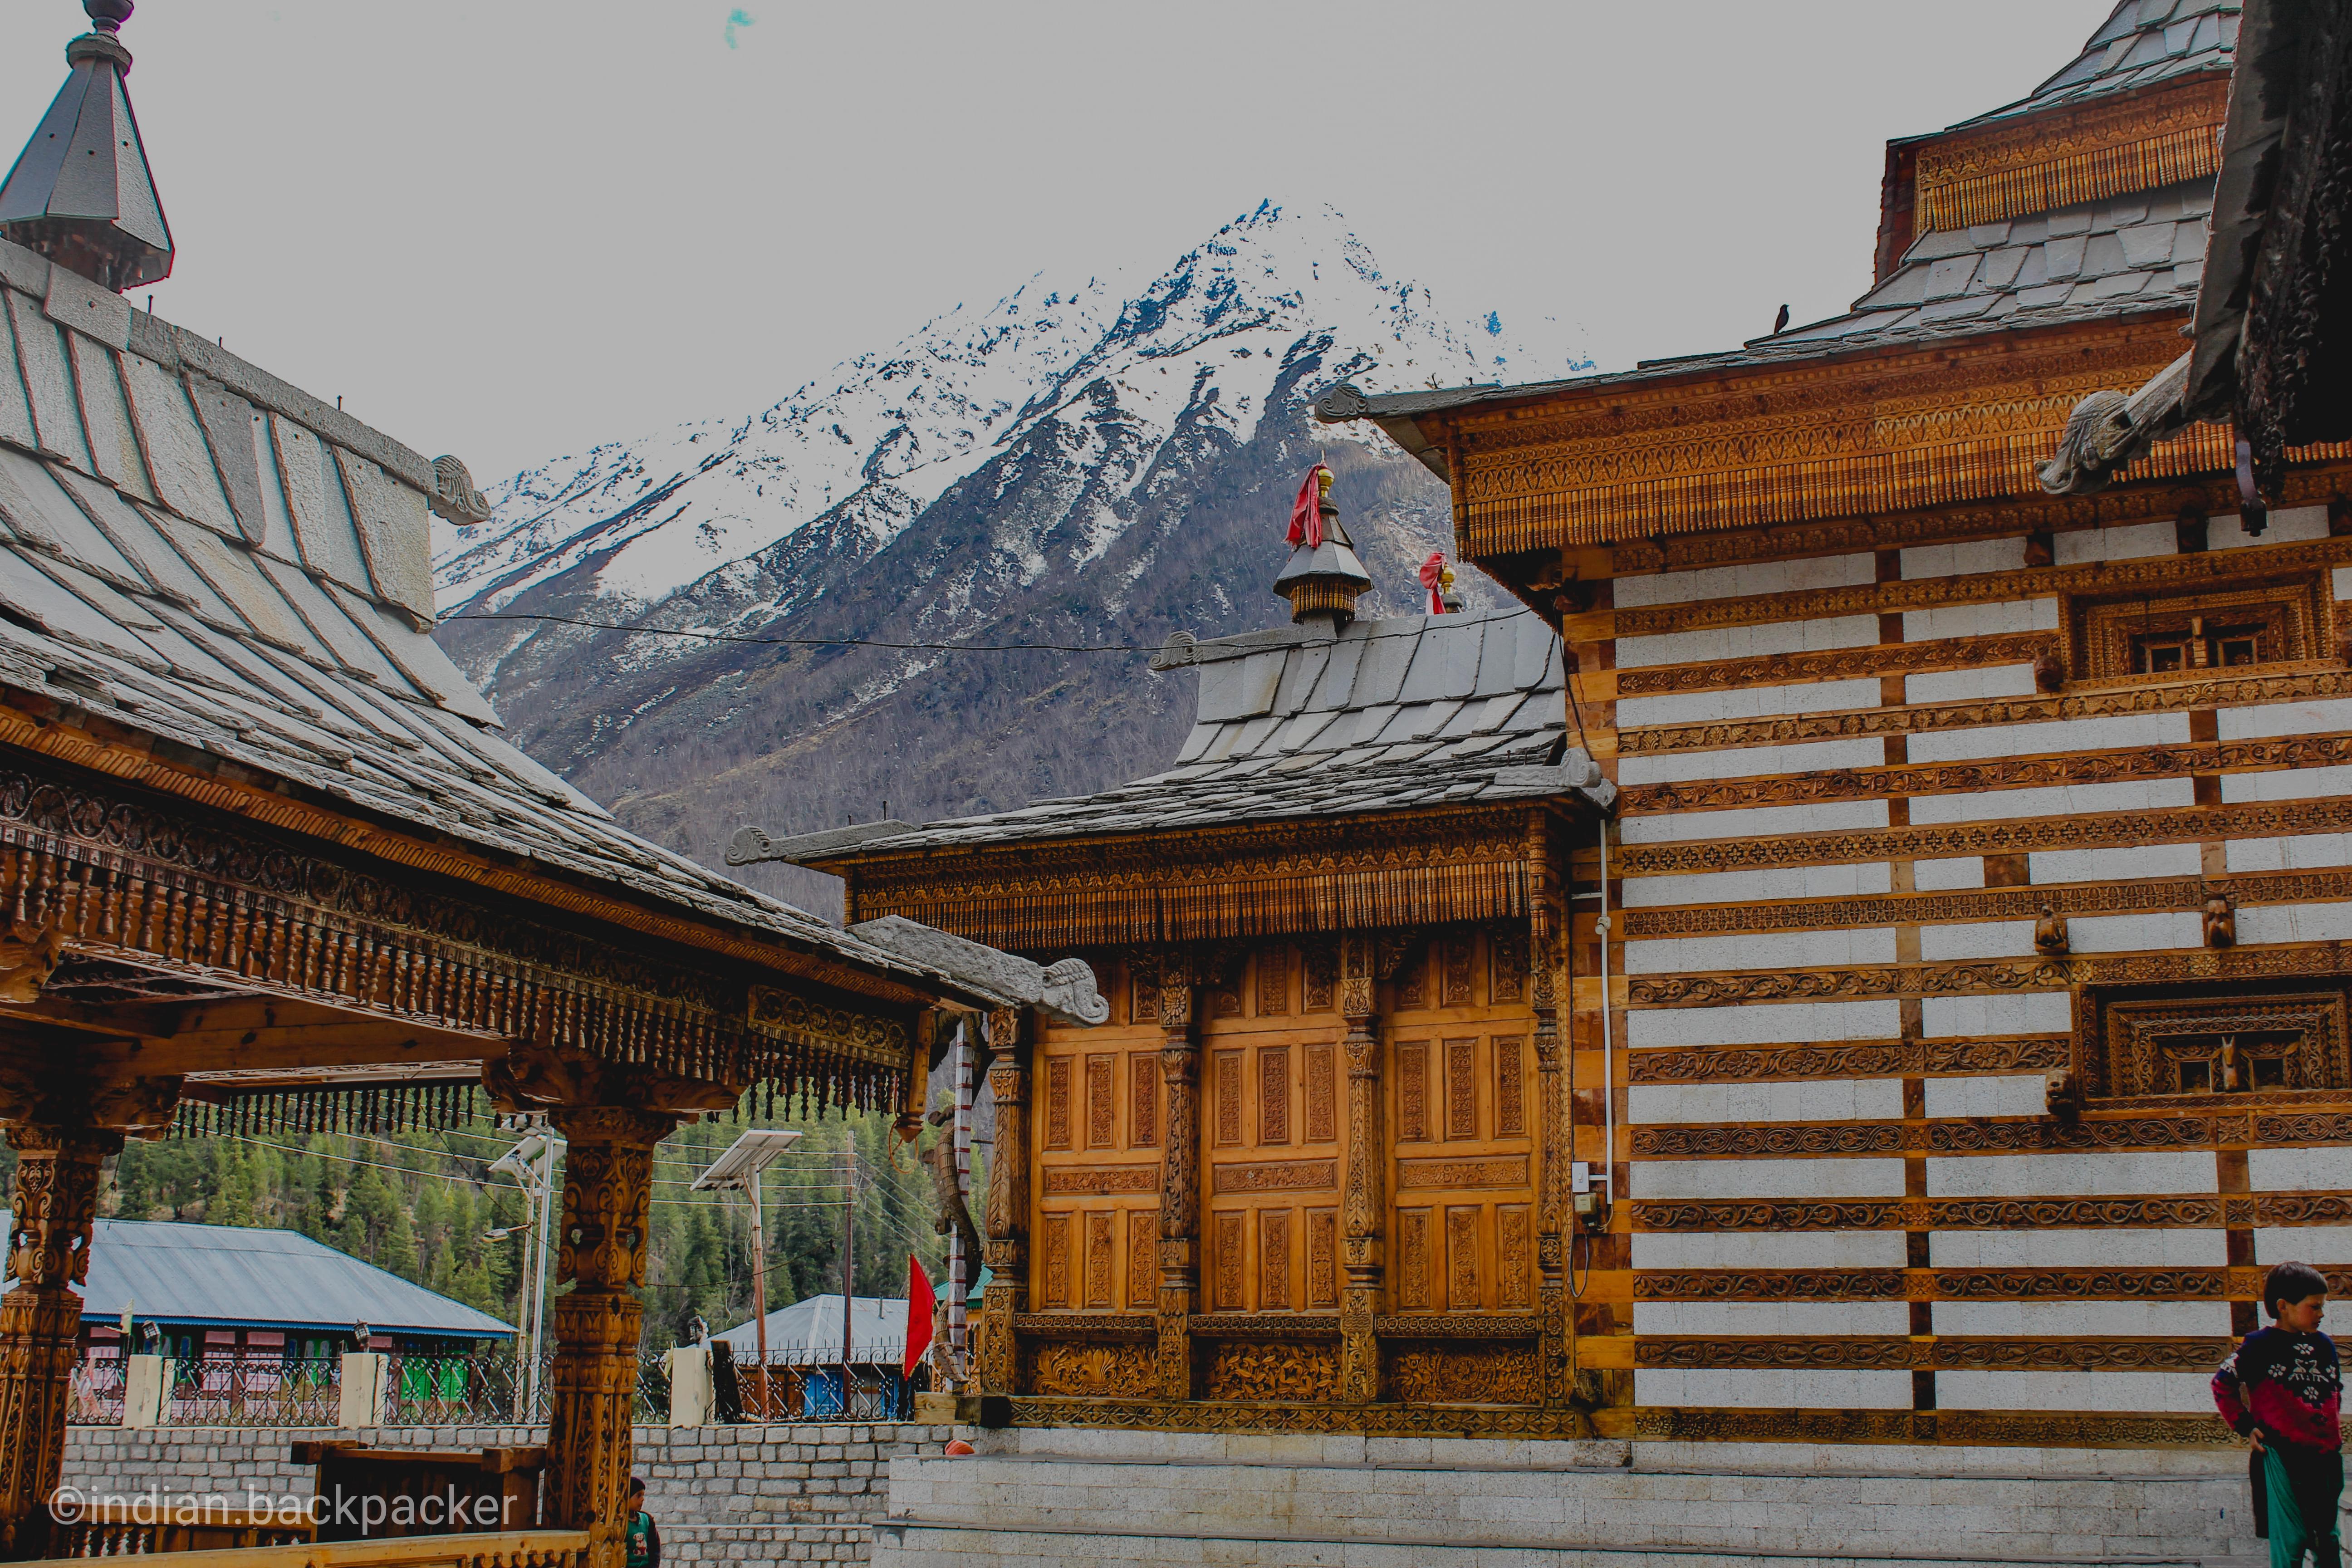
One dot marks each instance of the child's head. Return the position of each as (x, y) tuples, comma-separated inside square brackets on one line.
[(636, 1489), (2296, 1296)]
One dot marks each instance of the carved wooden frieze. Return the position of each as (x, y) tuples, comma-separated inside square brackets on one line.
[(1505, 1171), (1274, 1176), (1321, 1063), (1858, 1058), (1975, 1136), (2034, 1428), (1083, 1369), (1950, 1354), (1271, 1371), (2155, 762), (1816, 666), (2021, 903), (1977, 1213), (1989, 975), (1095, 1181), (1475, 1374), (2090, 831)]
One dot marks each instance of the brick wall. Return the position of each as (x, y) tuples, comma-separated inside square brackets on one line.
[(722, 1494)]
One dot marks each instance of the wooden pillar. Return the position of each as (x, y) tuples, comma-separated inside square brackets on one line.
[(1362, 1199), (1180, 1174), (600, 1247), (1554, 1149), (58, 1171), (996, 1353)]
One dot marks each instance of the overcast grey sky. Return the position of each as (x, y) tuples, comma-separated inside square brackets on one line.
[(510, 231)]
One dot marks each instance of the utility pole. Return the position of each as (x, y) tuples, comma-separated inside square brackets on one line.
[(742, 1167), (848, 1268), (531, 1164)]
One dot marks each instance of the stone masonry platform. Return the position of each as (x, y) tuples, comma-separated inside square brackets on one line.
[(1075, 1497)]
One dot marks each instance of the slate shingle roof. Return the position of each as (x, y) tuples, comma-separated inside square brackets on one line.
[(2142, 43), (197, 550), (1420, 710)]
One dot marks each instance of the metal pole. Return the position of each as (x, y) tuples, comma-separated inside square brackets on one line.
[(760, 1284), (848, 1268)]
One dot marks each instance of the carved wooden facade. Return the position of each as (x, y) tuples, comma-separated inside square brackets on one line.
[(1979, 877)]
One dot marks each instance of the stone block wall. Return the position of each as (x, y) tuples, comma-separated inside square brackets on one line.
[(722, 1494)]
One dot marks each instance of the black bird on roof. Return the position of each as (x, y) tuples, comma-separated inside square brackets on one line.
[(1780, 321)]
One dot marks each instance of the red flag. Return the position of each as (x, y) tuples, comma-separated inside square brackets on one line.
[(921, 1299), (1432, 577), (1306, 512)]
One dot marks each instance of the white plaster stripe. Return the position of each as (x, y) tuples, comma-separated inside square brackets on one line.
[(2081, 1319), (1751, 761), (1747, 580), (2189, 1392), (2080, 546), (2286, 784), (1786, 1024), (1942, 875), (1760, 950), (2056, 800), (2293, 854), (1786, 1249), (2298, 1170), (2327, 1244), (1961, 558), (2116, 865), (1753, 822), (1764, 885), (1835, 1099), (1717, 643), (2035, 1013), (1784, 1318), (2340, 582), (2292, 526), (1976, 939), (2118, 1249), (1745, 703), (2285, 719), (2106, 734), (2144, 932), (2295, 922), (2008, 1095), (1746, 1389), (2051, 1175), (1979, 620), (1771, 1178), (1967, 685)]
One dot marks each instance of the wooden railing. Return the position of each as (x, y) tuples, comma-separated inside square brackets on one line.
[(510, 1549), (128, 1529)]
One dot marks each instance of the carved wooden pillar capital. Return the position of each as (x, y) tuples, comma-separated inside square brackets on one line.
[(995, 1351)]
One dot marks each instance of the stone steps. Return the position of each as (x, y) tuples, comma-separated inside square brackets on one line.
[(1102, 1500)]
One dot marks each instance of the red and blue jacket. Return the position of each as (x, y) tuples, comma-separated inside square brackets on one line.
[(2288, 1384)]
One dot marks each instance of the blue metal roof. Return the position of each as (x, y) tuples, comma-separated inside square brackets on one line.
[(228, 1276)]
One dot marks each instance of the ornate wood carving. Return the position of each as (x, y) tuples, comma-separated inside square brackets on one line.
[(1555, 1147), (2054, 1429), (1978, 976), (1987, 1136), (1082, 1181), (1839, 1352), (1274, 1260), (50, 1220), (2151, 574), (1412, 1092), (1459, 952), (1510, 1089), (1462, 1291), (2133, 142), (995, 1365), (1143, 1110), (1506, 978), (2263, 819), (1990, 904), (1229, 1097), (1143, 977), (601, 1245), (1973, 1214), (1417, 1176), (1273, 1095), (2152, 1284), (1412, 1260), (1272, 981), (1102, 1260), (1274, 1176), (1321, 1064), (1481, 1374), (2147, 694), (1362, 1200), (1142, 1260), (1322, 1259), (1057, 1102), (1226, 1257), (1281, 1370), (1811, 667), (1085, 1369), (1179, 1181), (1256, 1417), (1102, 1108), (2181, 760), (1054, 1261), (1322, 977), (1461, 1090), (1513, 1258), (1856, 1059)]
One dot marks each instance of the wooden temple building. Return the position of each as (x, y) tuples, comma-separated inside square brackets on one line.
[(266, 863), (1314, 1174), (1983, 843)]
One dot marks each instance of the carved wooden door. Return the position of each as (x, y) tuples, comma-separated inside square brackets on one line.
[(1098, 1116)]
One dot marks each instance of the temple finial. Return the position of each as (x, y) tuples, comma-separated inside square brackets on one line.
[(80, 193), (1323, 578)]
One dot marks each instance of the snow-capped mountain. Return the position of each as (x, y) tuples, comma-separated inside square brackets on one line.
[(1085, 462)]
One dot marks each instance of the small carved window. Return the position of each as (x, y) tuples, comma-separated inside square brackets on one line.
[(2181, 633), (2181, 1043)]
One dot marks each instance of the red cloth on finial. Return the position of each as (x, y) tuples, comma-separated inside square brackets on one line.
[(1306, 512), (921, 1299), (1432, 577)]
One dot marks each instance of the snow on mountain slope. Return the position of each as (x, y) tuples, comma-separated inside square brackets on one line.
[(901, 426)]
